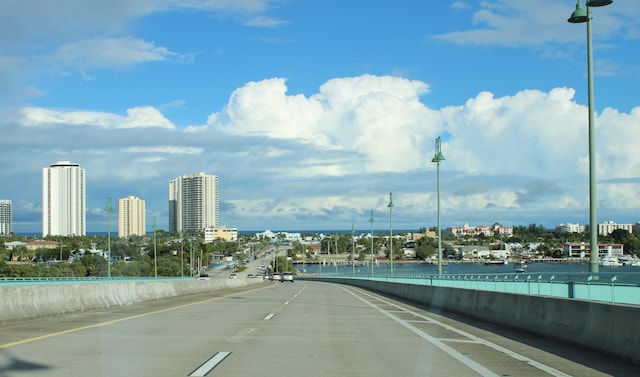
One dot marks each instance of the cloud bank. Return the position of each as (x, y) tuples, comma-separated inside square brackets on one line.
[(302, 162)]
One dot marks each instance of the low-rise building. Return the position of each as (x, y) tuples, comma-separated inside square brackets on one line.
[(470, 252), (42, 244), (284, 236), (582, 250), (220, 233), (488, 231), (14, 244)]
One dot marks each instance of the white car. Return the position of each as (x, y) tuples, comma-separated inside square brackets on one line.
[(286, 276), (233, 276)]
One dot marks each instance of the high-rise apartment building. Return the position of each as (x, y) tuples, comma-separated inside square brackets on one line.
[(131, 217), (6, 217), (193, 202), (63, 200)]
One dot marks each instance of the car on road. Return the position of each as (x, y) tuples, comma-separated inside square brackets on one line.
[(276, 276), (233, 275), (203, 277), (286, 276)]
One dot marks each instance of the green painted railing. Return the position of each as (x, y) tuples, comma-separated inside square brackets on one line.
[(619, 288)]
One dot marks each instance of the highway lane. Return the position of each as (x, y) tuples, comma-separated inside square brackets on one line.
[(284, 329)]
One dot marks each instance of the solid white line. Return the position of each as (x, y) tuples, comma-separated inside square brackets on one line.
[(210, 364), (268, 317), (476, 367), (543, 367)]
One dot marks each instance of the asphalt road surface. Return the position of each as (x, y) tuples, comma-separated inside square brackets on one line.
[(285, 329)]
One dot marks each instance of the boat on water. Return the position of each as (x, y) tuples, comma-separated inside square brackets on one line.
[(611, 260), (520, 266), (629, 260), (495, 261)]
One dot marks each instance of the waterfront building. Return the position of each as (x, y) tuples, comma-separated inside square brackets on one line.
[(63, 200), (193, 202), (581, 250), (607, 227), (473, 252), (131, 217), (220, 233), (6, 217)]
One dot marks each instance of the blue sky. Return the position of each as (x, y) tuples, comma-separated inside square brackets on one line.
[(312, 112)]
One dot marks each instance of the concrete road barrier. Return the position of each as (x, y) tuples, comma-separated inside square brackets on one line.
[(46, 299)]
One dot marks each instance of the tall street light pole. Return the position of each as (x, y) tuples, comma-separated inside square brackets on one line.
[(437, 158), (581, 15), (191, 256), (372, 256), (390, 205), (109, 209), (155, 253), (353, 250)]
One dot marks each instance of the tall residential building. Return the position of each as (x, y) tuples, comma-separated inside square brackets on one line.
[(6, 217), (607, 227), (570, 228), (131, 217), (193, 202), (63, 200)]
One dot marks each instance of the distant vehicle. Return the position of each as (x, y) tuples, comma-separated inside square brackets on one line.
[(233, 276), (250, 276), (203, 277), (276, 276), (286, 276)]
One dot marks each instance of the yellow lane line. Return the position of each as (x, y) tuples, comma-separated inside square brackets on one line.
[(101, 324)]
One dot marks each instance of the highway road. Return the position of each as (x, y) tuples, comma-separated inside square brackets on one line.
[(304, 328)]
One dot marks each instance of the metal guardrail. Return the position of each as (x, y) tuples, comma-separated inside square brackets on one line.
[(618, 288)]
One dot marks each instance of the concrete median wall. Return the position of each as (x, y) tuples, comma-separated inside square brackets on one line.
[(39, 300), (604, 327)]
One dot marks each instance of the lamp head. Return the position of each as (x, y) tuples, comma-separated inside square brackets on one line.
[(598, 3), (438, 157), (579, 15)]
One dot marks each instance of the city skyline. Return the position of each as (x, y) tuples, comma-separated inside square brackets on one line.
[(311, 113)]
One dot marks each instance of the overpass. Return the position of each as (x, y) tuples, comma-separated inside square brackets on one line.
[(332, 315)]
